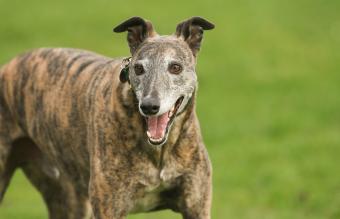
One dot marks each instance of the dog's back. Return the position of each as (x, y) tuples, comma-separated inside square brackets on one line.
[(52, 85)]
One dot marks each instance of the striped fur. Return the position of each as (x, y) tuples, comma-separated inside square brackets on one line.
[(75, 130)]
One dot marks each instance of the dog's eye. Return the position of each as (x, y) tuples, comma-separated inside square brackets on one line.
[(175, 68), (139, 69)]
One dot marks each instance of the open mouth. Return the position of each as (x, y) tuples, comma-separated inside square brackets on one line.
[(159, 126)]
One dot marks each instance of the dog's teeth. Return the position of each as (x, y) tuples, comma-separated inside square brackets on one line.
[(156, 139), (153, 139), (170, 114)]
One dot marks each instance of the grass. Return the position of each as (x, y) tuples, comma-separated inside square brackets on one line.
[(268, 101)]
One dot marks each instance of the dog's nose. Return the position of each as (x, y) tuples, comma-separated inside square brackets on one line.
[(150, 106)]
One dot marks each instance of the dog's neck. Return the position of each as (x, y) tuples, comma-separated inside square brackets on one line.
[(179, 130)]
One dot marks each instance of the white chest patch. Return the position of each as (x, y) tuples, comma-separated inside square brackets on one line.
[(151, 198)]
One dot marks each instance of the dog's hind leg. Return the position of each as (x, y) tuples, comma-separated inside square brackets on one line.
[(58, 192), (6, 168), (60, 197), (8, 131)]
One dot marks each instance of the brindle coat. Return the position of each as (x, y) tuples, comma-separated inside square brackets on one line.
[(75, 130)]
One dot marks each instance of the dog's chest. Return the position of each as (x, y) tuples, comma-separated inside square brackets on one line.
[(150, 199), (152, 187)]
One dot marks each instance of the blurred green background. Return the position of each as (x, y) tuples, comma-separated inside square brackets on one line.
[(269, 97)]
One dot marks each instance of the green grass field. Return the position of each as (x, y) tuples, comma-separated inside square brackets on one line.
[(269, 97)]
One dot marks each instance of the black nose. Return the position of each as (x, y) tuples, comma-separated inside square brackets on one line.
[(150, 106)]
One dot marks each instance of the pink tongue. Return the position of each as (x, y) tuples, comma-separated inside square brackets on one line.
[(157, 125)]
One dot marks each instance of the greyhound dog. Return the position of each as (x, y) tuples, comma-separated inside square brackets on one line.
[(101, 137)]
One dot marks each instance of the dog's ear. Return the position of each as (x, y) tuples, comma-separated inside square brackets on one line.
[(191, 31), (138, 30)]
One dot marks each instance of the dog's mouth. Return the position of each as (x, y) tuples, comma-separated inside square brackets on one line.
[(158, 126)]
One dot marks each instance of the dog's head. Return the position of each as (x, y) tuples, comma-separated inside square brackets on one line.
[(162, 70)]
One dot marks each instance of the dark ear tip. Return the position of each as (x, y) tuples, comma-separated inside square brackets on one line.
[(129, 22), (210, 26), (205, 24), (116, 29)]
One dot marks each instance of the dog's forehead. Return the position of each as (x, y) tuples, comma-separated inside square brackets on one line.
[(164, 47)]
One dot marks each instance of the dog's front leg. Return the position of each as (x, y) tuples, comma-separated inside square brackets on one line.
[(109, 188), (196, 197), (109, 199)]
